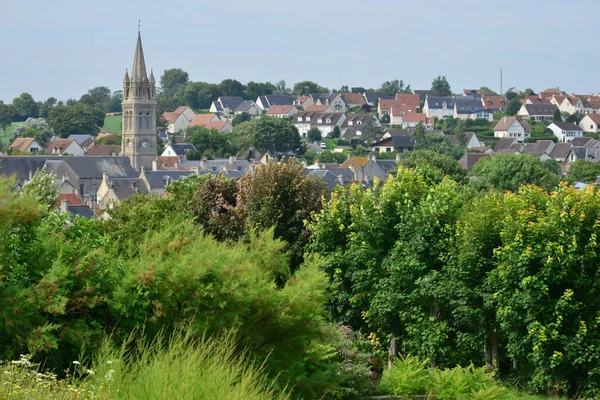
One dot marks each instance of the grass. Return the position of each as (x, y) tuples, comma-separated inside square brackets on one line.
[(112, 124), (186, 368), (5, 136)]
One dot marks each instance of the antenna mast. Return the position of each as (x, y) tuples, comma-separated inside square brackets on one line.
[(501, 91)]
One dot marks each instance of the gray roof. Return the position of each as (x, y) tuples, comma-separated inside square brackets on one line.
[(363, 118), (399, 142), (567, 126), (94, 166), (424, 93), (276, 100), (437, 102), (82, 140), (580, 152), (541, 109), (372, 96), (386, 165), (159, 179), (123, 188), (181, 148), (315, 116), (81, 211), (21, 166), (468, 105), (245, 106), (231, 102)]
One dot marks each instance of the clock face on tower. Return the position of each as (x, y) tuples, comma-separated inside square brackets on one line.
[(145, 144)]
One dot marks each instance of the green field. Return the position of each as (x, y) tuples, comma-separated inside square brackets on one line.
[(112, 124), (5, 136)]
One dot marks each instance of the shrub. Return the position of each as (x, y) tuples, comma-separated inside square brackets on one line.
[(408, 376)]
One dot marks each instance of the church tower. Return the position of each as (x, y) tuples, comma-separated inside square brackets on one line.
[(139, 113)]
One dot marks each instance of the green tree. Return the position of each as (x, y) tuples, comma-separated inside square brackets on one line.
[(36, 128), (6, 116), (231, 87), (209, 143), (275, 134), (79, 119), (584, 171), (441, 85), (42, 188), (372, 131), (172, 79), (513, 106), (25, 107), (113, 139), (557, 117), (282, 89), (100, 97), (574, 118), (307, 87), (459, 131), (434, 166), (394, 87), (528, 92), (385, 119), (241, 118), (336, 133), (511, 95), (488, 91), (255, 89), (509, 172), (314, 134)]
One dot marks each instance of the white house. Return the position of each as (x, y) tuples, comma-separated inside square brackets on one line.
[(67, 146), (177, 150), (439, 107), (512, 127), (412, 119), (282, 111), (225, 105), (326, 122), (539, 112), (332, 99), (270, 100), (248, 106), (26, 145), (565, 131), (590, 123), (179, 119)]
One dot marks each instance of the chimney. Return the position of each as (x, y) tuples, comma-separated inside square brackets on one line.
[(176, 164), (64, 206), (372, 157), (353, 171), (105, 177), (398, 156), (203, 166), (142, 171), (133, 186), (181, 158), (340, 179), (30, 175), (232, 159), (65, 176), (154, 165), (112, 186)]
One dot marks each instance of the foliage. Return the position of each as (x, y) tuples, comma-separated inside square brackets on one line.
[(240, 118), (408, 376), (332, 157), (509, 172), (336, 133), (42, 188), (434, 166), (394, 87), (574, 118), (7, 113), (172, 79), (114, 139), (276, 134), (372, 132), (513, 106), (557, 117), (584, 171), (80, 119), (436, 142), (209, 143), (385, 119), (307, 87), (25, 107), (113, 124), (441, 85), (36, 128), (314, 134)]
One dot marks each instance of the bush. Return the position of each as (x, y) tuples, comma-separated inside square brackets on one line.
[(408, 376)]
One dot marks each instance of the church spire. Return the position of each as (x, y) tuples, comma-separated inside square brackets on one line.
[(126, 78), (138, 73)]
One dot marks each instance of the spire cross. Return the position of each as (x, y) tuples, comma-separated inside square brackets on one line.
[(138, 26)]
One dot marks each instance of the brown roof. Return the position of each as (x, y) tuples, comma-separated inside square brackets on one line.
[(201, 119), (104, 150), (72, 198), (397, 105), (506, 122), (171, 117), (506, 143), (218, 125), (417, 117), (494, 102), (302, 99), (353, 98), (57, 146), (560, 150), (538, 100), (594, 117), (21, 144), (409, 99), (355, 162), (469, 159), (280, 109), (167, 161), (317, 108)]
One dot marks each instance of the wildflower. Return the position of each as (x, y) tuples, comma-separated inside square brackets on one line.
[(89, 372), (76, 363), (109, 375), (7, 372), (109, 362)]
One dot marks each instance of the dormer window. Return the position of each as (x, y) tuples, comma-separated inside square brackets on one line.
[(444, 105), (358, 122), (307, 119), (319, 121), (489, 103), (328, 121), (350, 123), (299, 119)]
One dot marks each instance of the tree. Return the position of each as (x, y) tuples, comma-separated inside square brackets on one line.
[(584, 171), (100, 97), (528, 92), (36, 128), (307, 87), (358, 89), (372, 131), (434, 166), (511, 95), (557, 117), (79, 119), (459, 131), (394, 87), (314, 134), (172, 79), (255, 89), (276, 134), (418, 135), (385, 119), (209, 143), (336, 133), (6, 116), (509, 172), (241, 118), (282, 89), (441, 85), (438, 143), (42, 188), (488, 91), (114, 139), (25, 107), (231, 87), (513, 106), (574, 118)]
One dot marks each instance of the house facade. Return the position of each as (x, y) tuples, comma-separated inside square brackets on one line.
[(439, 107), (590, 123), (539, 112), (179, 119), (62, 147), (565, 131), (26, 145), (326, 122), (513, 128)]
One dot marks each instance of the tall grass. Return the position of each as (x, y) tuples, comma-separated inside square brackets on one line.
[(183, 367)]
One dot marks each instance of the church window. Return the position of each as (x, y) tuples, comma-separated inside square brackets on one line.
[(147, 120), (140, 121)]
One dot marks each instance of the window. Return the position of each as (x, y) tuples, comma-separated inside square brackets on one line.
[(299, 119), (328, 120), (358, 122), (140, 121), (81, 189), (319, 121), (350, 123), (388, 150), (307, 119)]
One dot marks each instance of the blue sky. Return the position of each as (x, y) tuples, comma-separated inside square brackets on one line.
[(65, 47)]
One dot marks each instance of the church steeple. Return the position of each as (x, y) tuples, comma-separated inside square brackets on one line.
[(138, 73), (126, 78)]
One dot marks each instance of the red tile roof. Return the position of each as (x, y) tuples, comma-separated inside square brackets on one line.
[(72, 198), (280, 109), (409, 99), (218, 125), (201, 119), (494, 102), (317, 108), (57, 146), (354, 98)]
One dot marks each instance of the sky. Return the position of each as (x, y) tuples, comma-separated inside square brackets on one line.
[(65, 47)]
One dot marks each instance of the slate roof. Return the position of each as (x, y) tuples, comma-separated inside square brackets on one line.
[(355, 99), (182, 148), (470, 159), (94, 167), (467, 105), (159, 179), (386, 165), (398, 142), (507, 143), (315, 116), (424, 93), (82, 140), (276, 100), (329, 178), (538, 148), (567, 126), (354, 118), (231, 102), (21, 166), (245, 106), (437, 102), (123, 189), (371, 96), (583, 141), (560, 150), (81, 211), (399, 132), (541, 109), (104, 150)]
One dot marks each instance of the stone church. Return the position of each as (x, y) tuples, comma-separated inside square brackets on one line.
[(139, 113)]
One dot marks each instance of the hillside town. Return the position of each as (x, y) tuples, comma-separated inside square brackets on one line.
[(347, 137)]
